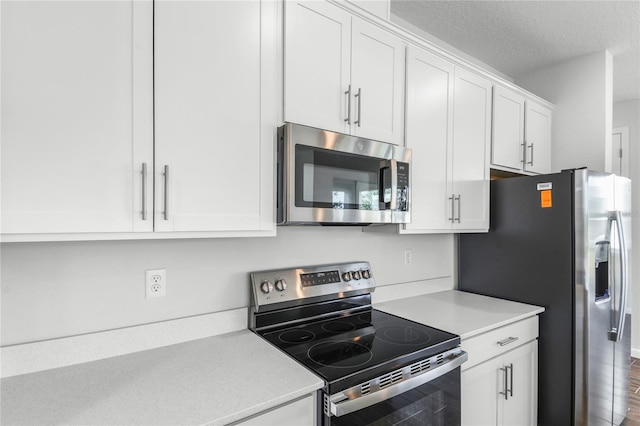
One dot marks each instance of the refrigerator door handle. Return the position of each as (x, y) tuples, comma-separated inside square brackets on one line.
[(615, 334)]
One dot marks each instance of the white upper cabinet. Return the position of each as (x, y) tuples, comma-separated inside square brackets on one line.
[(521, 133), (377, 83), (214, 126), (470, 152), (119, 124), (76, 116), (537, 135), (317, 59), (429, 113), (448, 128), (508, 129), (342, 73)]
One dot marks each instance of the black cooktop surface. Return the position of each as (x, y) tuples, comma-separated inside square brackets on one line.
[(360, 346)]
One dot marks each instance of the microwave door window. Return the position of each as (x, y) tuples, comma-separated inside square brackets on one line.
[(336, 180), (332, 187)]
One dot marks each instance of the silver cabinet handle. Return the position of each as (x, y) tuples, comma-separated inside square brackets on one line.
[(144, 191), (523, 152), (165, 214), (453, 215), (459, 207), (510, 367), (531, 158), (359, 96), (348, 93), (507, 341), (504, 383)]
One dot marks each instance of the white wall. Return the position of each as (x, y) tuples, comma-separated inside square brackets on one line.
[(627, 114), (52, 290), (582, 91)]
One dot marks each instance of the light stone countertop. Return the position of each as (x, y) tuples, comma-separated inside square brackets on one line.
[(214, 380), (459, 312), (210, 381)]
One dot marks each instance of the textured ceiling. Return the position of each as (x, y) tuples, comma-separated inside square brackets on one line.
[(517, 37)]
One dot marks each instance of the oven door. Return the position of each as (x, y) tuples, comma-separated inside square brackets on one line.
[(434, 401)]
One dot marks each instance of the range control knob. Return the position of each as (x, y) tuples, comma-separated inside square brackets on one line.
[(355, 275), (266, 287), (366, 274), (281, 285), (346, 276)]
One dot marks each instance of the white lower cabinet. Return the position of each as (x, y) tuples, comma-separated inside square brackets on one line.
[(502, 389), (298, 413)]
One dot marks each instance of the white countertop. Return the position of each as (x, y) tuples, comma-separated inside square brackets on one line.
[(459, 312), (216, 380)]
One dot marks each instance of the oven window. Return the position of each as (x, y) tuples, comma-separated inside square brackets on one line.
[(436, 403), (338, 180)]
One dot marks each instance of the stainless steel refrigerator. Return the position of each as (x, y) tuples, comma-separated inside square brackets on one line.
[(562, 241)]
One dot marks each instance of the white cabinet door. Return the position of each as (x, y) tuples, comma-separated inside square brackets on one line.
[(521, 406), (76, 116), (429, 113), (342, 73), (213, 133), (480, 387), (537, 138), (508, 129), (448, 128), (377, 79), (502, 390), (317, 54), (469, 151), (521, 133)]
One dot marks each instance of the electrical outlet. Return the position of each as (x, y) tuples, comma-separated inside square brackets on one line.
[(156, 283), (408, 257)]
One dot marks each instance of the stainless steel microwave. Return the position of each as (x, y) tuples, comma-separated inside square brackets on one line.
[(330, 178)]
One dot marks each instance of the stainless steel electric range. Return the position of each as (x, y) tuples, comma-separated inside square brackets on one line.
[(378, 368)]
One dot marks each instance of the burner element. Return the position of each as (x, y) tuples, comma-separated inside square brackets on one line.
[(402, 335), (370, 317), (340, 354), (296, 336), (338, 326)]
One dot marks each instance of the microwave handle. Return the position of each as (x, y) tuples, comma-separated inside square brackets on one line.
[(394, 185), (388, 167)]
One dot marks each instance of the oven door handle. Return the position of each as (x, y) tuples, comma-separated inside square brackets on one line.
[(347, 406)]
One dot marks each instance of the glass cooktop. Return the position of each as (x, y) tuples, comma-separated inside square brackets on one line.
[(361, 344)]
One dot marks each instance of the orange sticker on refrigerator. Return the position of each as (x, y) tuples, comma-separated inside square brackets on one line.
[(545, 199)]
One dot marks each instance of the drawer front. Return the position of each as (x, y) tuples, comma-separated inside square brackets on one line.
[(498, 341)]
